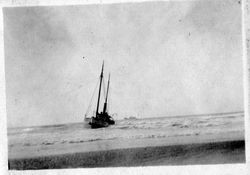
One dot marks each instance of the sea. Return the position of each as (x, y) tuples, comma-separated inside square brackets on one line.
[(126, 129)]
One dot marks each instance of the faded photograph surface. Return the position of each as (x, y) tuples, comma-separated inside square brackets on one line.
[(128, 84)]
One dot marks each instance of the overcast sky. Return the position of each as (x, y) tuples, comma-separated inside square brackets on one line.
[(165, 58)]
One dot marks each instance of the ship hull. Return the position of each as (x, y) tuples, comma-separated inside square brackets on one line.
[(111, 122), (98, 123), (103, 120)]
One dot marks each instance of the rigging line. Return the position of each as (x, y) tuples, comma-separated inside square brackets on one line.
[(91, 99)]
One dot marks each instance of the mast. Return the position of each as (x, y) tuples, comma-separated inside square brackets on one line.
[(101, 76), (106, 99)]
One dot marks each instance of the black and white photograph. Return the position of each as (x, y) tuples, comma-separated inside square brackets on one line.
[(133, 84)]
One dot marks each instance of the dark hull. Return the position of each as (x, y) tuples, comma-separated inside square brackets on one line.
[(98, 125), (111, 122), (101, 121)]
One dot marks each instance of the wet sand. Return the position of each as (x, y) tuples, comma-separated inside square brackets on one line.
[(180, 154)]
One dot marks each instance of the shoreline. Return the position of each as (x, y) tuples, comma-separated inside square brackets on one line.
[(219, 152)]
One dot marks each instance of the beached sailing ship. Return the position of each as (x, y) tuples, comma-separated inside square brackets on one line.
[(102, 119)]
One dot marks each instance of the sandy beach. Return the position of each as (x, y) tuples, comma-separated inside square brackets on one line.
[(188, 154)]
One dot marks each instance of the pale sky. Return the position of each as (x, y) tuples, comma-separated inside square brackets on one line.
[(165, 58)]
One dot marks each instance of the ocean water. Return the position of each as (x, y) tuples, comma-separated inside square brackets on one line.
[(164, 127)]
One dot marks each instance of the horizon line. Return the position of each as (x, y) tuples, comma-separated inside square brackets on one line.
[(172, 116)]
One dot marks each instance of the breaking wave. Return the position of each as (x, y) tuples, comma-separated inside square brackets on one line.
[(77, 133)]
